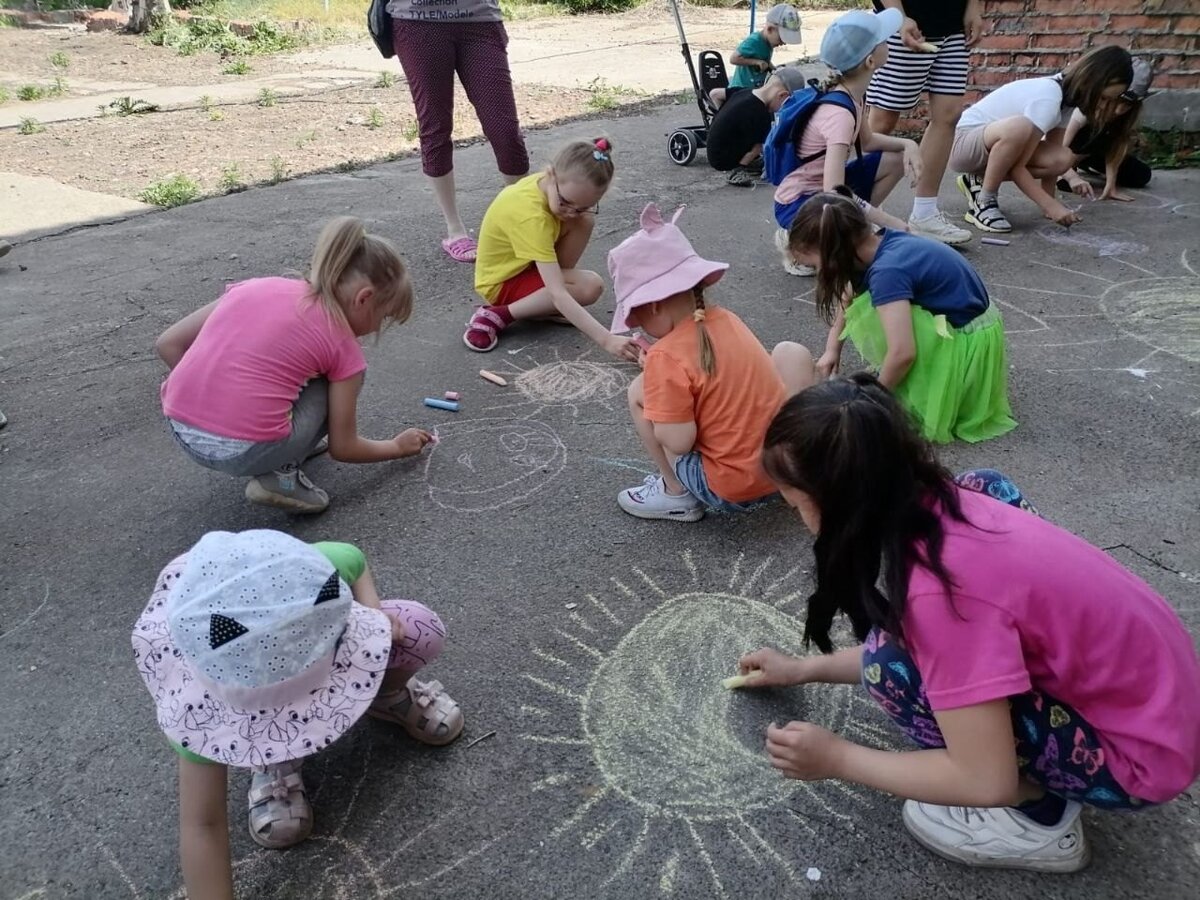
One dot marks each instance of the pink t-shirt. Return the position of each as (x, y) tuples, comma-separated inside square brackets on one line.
[(1037, 607), (261, 345), (829, 124)]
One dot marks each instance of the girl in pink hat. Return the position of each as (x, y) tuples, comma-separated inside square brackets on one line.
[(709, 388), (260, 650)]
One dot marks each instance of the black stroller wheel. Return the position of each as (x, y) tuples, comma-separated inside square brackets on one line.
[(682, 146)]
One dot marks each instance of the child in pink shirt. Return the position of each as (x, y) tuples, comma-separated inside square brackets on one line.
[(269, 375), (1035, 672), (855, 46)]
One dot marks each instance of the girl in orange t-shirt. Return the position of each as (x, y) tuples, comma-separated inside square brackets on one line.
[(709, 388)]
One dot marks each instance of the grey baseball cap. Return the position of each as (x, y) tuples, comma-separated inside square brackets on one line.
[(792, 77)]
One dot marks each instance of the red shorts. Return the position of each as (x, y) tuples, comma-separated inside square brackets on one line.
[(521, 285)]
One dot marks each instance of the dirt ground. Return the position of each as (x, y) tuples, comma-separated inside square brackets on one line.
[(235, 142)]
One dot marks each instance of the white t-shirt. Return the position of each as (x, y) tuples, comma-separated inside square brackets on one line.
[(1040, 100)]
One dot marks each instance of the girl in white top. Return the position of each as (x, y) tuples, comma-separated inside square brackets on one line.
[(1016, 133)]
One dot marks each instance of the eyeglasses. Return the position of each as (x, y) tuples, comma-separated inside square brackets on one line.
[(567, 206)]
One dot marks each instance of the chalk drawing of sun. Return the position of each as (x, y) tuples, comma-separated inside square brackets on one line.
[(634, 683), (569, 383)]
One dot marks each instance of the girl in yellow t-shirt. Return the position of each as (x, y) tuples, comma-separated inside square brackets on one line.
[(530, 242)]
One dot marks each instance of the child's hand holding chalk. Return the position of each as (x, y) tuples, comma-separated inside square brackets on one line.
[(750, 679), (412, 441)]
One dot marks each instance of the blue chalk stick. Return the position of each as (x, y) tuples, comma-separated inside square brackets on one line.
[(441, 404)]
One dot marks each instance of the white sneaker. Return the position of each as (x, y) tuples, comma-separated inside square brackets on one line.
[(938, 228), (790, 265), (1001, 837), (650, 500)]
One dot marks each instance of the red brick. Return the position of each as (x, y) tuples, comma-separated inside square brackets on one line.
[(1177, 81), (1187, 25), (990, 77), (1057, 41), (1005, 42), (1009, 25), (1165, 42), (1119, 24), (1073, 7), (992, 58), (1003, 7), (1056, 60), (1177, 64)]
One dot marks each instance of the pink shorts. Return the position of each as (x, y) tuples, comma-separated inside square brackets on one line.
[(424, 634)]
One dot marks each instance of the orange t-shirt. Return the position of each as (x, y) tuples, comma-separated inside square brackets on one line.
[(731, 408)]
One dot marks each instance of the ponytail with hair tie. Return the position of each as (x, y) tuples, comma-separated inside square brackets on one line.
[(708, 359)]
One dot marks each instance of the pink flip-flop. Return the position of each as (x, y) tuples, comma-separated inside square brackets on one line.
[(460, 249)]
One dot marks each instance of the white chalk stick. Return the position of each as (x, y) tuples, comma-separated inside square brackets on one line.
[(927, 47), (998, 242), (738, 681), (492, 377)]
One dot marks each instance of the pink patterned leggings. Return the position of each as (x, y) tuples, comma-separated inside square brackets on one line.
[(430, 53), (424, 635)]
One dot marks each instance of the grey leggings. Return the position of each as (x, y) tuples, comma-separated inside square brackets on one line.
[(310, 423)]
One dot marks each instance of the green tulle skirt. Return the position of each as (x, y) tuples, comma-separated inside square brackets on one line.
[(957, 387)]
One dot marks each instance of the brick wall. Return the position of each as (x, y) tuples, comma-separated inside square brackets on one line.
[(1027, 38)]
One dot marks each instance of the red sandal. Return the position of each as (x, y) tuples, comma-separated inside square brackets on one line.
[(483, 331)]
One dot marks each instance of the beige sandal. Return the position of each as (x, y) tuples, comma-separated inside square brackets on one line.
[(279, 812), (426, 711)]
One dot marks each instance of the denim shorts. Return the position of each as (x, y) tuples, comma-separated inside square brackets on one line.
[(689, 469)]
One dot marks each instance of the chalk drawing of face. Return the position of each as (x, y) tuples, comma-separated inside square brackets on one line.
[(634, 682), (571, 383), (485, 464)]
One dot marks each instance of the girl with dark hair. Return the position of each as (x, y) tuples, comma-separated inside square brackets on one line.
[(1104, 149), (1034, 671), (916, 310), (1015, 134)]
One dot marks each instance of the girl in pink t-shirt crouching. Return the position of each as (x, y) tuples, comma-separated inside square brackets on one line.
[(1035, 672), (269, 375)]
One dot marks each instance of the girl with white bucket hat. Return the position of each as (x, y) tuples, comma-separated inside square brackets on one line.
[(260, 650)]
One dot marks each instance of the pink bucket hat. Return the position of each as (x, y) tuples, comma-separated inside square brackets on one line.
[(254, 650), (655, 263)]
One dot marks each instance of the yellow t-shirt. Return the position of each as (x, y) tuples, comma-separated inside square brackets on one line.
[(518, 229)]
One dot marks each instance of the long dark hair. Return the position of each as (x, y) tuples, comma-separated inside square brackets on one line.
[(849, 445), (834, 225), (1084, 80)]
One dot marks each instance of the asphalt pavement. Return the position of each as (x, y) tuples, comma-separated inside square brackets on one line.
[(585, 646)]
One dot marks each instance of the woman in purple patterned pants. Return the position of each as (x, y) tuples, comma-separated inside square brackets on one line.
[(434, 39)]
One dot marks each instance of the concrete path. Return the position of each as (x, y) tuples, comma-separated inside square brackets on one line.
[(636, 55), (588, 642)]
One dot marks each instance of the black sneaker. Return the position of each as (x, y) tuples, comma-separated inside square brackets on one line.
[(741, 177)]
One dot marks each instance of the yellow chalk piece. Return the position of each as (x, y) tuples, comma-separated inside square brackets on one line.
[(492, 377), (928, 47), (738, 681)]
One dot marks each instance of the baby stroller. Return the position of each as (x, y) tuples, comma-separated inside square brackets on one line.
[(683, 143)]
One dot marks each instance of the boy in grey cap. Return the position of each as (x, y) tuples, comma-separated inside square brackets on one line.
[(753, 55)]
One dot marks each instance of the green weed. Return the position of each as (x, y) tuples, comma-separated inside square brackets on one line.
[(215, 115), (30, 126), (306, 138), (127, 106), (267, 97), (237, 67), (603, 96), (206, 102), (279, 169), (5, 96), (60, 60), (174, 190), (30, 92), (231, 178), (375, 118), (386, 80), (411, 131)]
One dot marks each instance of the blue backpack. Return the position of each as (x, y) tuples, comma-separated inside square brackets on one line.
[(780, 150)]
